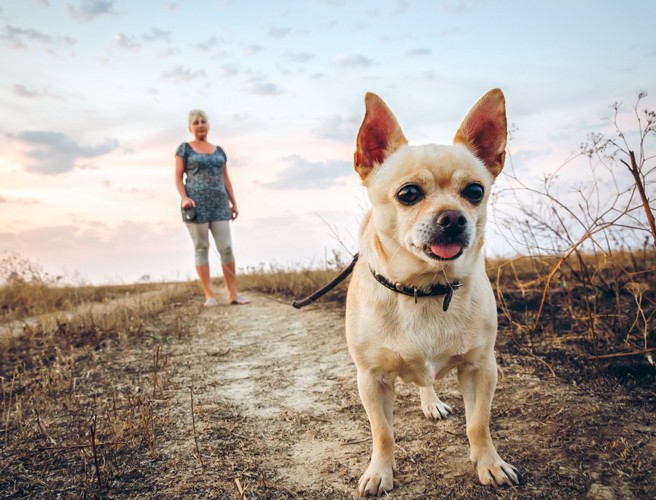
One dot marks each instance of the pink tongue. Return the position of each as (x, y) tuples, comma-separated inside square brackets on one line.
[(446, 251)]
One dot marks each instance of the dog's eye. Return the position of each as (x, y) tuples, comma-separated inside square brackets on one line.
[(474, 192), (410, 194)]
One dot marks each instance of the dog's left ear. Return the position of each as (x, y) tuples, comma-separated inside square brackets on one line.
[(484, 130), (379, 136)]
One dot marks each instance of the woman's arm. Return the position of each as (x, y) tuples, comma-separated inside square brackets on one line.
[(231, 195), (179, 175)]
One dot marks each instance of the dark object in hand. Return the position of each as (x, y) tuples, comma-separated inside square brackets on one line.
[(189, 214)]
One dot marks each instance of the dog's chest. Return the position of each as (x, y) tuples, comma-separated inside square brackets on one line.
[(427, 342)]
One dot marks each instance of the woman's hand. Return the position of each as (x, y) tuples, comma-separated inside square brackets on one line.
[(235, 212), (188, 202)]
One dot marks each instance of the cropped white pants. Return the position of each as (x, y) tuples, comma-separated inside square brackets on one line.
[(220, 230)]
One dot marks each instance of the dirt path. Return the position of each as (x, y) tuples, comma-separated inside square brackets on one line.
[(277, 414)]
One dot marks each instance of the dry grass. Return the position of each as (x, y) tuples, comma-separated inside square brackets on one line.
[(51, 422), (591, 312), (28, 291), (296, 282)]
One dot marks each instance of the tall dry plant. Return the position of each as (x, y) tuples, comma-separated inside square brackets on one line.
[(591, 240)]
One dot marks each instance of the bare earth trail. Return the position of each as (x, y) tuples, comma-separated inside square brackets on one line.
[(276, 413)]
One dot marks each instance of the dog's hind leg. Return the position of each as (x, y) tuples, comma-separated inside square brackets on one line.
[(377, 396), (431, 405)]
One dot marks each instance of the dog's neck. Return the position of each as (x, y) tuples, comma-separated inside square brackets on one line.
[(398, 265)]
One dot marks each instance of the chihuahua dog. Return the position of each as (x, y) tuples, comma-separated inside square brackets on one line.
[(420, 302)]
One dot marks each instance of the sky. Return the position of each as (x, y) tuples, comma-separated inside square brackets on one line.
[(95, 96)]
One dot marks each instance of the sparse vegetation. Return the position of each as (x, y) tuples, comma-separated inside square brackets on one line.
[(585, 289)]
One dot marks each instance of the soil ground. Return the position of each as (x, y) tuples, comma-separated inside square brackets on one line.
[(276, 414)]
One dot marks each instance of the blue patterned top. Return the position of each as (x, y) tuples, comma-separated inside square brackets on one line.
[(205, 184)]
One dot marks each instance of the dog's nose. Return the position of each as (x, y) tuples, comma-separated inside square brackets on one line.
[(452, 221)]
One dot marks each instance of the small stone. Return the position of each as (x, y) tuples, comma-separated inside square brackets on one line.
[(600, 492)]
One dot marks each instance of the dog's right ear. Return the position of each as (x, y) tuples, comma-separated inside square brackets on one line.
[(379, 136)]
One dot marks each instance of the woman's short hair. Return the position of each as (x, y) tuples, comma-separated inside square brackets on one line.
[(197, 113)]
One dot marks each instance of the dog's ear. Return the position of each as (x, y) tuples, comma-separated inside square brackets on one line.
[(484, 130), (379, 136)]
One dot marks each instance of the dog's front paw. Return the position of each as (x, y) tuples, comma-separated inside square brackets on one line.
[(495, 472), (376, 480)]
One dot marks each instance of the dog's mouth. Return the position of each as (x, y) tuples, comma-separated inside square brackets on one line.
[(444, 251)]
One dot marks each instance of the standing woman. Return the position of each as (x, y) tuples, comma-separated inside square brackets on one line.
[(208, 204)]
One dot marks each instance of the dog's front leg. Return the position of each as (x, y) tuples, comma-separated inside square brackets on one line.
[(477, 384), (377, 396)]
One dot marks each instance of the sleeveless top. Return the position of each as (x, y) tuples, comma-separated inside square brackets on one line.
[(205, 184)]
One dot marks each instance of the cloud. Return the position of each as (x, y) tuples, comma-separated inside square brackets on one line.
[(263, 88), (461, 7), (126, 42), (18, 38), (157, 35), (19, 200), (252, 50), (299, 56), (278, 32), (419, 52), (401, 7), (51, 153), (212, 46), (209, 44), (338, 128), (354, 62), (182, 75), (304, 174), (332, 3), (22, 91), (427, 75), (228, 70), (88, 10), (171, 52)]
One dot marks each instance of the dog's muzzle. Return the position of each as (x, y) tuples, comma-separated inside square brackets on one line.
[(449, 236)]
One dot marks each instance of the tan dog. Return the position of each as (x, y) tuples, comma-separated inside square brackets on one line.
[(420, 302)]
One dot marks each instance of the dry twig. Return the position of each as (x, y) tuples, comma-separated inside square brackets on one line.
[(193, 423), (96, 464), (242, 495)]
